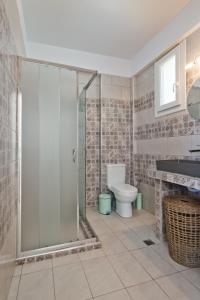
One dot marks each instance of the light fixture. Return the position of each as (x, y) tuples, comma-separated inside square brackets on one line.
[(192, 64), (197, 60), (189, 66)]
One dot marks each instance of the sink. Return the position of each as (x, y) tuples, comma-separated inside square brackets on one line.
[(184, 167)]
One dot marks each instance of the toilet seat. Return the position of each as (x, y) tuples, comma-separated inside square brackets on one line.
[(125, 189)]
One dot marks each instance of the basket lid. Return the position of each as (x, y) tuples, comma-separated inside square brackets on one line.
[(182, 202)]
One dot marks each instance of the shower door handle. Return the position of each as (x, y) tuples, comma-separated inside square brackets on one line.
[(74, 155)]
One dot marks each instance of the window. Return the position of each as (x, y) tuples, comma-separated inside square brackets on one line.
[(170, 82)]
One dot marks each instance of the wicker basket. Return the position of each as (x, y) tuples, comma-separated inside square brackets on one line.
[(182, 217)]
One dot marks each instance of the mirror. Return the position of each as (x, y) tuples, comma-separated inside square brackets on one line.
[(193, 100)]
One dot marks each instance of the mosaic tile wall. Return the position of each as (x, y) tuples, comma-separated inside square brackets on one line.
[(8, 153), (92, 137), (166, 137), (93, 150), (116, 125), (108, 130)]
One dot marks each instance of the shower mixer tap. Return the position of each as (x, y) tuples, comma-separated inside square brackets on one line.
[(74, 155)]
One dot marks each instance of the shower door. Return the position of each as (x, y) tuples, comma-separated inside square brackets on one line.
[(48, 164), (81, 153)]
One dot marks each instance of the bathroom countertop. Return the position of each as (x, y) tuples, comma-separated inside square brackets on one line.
[(180, 179)]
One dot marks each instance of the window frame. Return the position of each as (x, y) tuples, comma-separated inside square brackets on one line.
[(180, 82)]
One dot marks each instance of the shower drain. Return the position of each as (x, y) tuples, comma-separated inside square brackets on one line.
[(149, 242)]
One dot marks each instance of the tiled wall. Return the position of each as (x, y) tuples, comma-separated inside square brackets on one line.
[(8, 153), (116, 124), (166, 137), (93, 171), (92, 137), (93, 150), (108, 130)]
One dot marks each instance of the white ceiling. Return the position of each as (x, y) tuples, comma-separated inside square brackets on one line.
[(118, 28)]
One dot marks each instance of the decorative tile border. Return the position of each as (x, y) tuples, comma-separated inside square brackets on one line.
[(144, 102), (179, 179), (65, 252), (181, 125), (144, 162), (90, 243)]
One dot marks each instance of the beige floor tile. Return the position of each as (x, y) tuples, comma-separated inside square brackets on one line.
[(178, 288), (132, 222), (18, 270), (119, 295), (91, 254), (111, 244), (153, 263), (92, 214), (147, 291), (111, 216), (162, 250), (65, 260), (115, 224), (101, 276), (71, 283), (130, 239), (37, 266), (128, 269), (143, 215), (14, 288), (139, 212), (148, 219), (146, 232), (37, 285), (100, 227), (193, 275)]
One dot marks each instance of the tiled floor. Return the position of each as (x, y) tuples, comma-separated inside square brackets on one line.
[(124, 269)]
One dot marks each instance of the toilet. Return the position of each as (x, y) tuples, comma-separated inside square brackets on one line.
[(124, 193)]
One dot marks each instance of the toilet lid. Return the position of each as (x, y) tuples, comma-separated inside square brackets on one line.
[(125, 188)]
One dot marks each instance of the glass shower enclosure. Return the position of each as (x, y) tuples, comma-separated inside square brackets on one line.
[(52, 163), (81, 153)]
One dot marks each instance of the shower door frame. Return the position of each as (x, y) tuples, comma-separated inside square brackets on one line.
[(24, 254)]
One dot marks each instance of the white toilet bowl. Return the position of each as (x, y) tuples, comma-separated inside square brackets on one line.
[(125, 195)]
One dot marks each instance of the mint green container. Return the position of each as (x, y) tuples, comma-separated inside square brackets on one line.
[(139, 201), (105, 204)]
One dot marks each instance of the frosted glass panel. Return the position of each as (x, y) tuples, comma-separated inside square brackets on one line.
[(68, 149), (49, 158), (81, 153), (30, 157), (49, 165), (167, 81)]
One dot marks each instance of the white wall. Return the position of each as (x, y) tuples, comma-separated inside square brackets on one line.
[(100, 63), (185, 22)]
